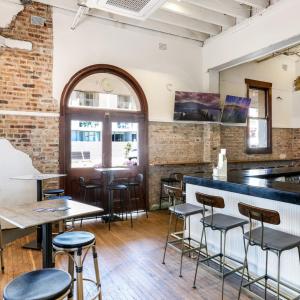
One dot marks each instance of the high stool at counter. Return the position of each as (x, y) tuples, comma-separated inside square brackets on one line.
[(222, 223), (269, 240), (180, 211), (73, 244), (171, 180), (53, 192), (41, 284)]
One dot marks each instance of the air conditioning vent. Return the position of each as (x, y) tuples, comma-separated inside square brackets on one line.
[(131, 5), (138, 9)]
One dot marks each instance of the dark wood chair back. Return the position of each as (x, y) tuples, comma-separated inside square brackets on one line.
[(259, 214), (209, 200)]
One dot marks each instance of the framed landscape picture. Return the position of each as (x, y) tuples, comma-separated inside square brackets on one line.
[(190, 106), (235, 109)]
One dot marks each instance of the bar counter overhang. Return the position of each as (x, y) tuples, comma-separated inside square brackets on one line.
[(277, 189)]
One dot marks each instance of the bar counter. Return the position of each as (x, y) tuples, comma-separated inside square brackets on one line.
[(271, 188)]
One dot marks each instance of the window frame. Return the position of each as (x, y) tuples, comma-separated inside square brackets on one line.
[(267, 87)]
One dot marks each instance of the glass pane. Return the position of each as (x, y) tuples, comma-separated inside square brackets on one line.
[(124, 144), (258, 103), (86, 144), (258, 133), (104, 91)]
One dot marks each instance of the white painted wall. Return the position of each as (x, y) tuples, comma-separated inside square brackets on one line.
[(232, 82), (15, 163), (276, 24), (135, 50)]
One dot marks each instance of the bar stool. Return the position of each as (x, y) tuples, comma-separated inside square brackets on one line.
[(1, 250), (53, 192), (269, 240), (87, 187), (41, 284), (171, 181), (123, 190), (135, 187), (222, 223), (180, 211), (73, 244)]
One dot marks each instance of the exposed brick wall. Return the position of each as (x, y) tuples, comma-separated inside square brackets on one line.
[(26, 76), (233, 139), (174, 142), (296, 142)]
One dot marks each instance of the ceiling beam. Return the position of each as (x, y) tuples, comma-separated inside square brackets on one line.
[(185, 22), (255, 3), (151, 25), (228, 7), (199, 13)]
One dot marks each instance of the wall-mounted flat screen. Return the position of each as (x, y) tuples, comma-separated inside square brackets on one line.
[(235, 109), (190, 106)]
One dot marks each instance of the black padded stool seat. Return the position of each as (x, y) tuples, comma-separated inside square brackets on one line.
[(169, 180), (74, 239), (274, 239), (53, 191), (224, 222), (117, 187), (186, 209), (46, 284), (59, 198)]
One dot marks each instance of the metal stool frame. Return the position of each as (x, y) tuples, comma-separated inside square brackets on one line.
[(217, 202), (175, 194), (75, 258), (175, 181), (1, 250), (263, 216)]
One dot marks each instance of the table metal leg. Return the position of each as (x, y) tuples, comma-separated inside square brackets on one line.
[(36, 245), (47, 246)]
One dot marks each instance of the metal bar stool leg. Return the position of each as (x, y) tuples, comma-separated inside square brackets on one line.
[(190, 235), (167, 239), (243, 271), (1, 250), (223, 262), (266, 273), (96, 267), (130, 208), (79, 275), (71, 272), (161, 194), (278, 276), (182, 246), (198, 257)]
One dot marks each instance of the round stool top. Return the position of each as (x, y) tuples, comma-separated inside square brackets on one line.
[(117, 187), (43, 284), (54, 191), (59, 198), (73, 239)]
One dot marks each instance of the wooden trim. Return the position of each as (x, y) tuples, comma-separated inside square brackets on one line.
[(267, 87), (258, 84), (139, 116)]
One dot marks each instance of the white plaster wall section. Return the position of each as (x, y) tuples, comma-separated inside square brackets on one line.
[(280, 71), (136, 51), (8, 12), (15, 163)]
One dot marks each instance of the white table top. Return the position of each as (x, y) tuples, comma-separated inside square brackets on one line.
[(38, 176), (38, 213), (112, 169)]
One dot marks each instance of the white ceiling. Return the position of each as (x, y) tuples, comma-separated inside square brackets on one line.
[(194, 19)]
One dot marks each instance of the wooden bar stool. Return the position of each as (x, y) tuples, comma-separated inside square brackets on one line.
[(222, 223), (73, 244), (41, 284), (181, 211), (269, 240)]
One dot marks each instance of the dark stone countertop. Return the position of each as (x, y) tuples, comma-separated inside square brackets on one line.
[(255, 182)]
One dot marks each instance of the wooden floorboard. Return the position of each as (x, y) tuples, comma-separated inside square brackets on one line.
[(130, 263)]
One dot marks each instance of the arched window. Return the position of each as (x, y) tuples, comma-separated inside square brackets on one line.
[(103, 124)]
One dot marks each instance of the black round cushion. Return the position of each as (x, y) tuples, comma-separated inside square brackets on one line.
[(117, 187), (169, 180), (53, 192), (73, 239), (43, 284)]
